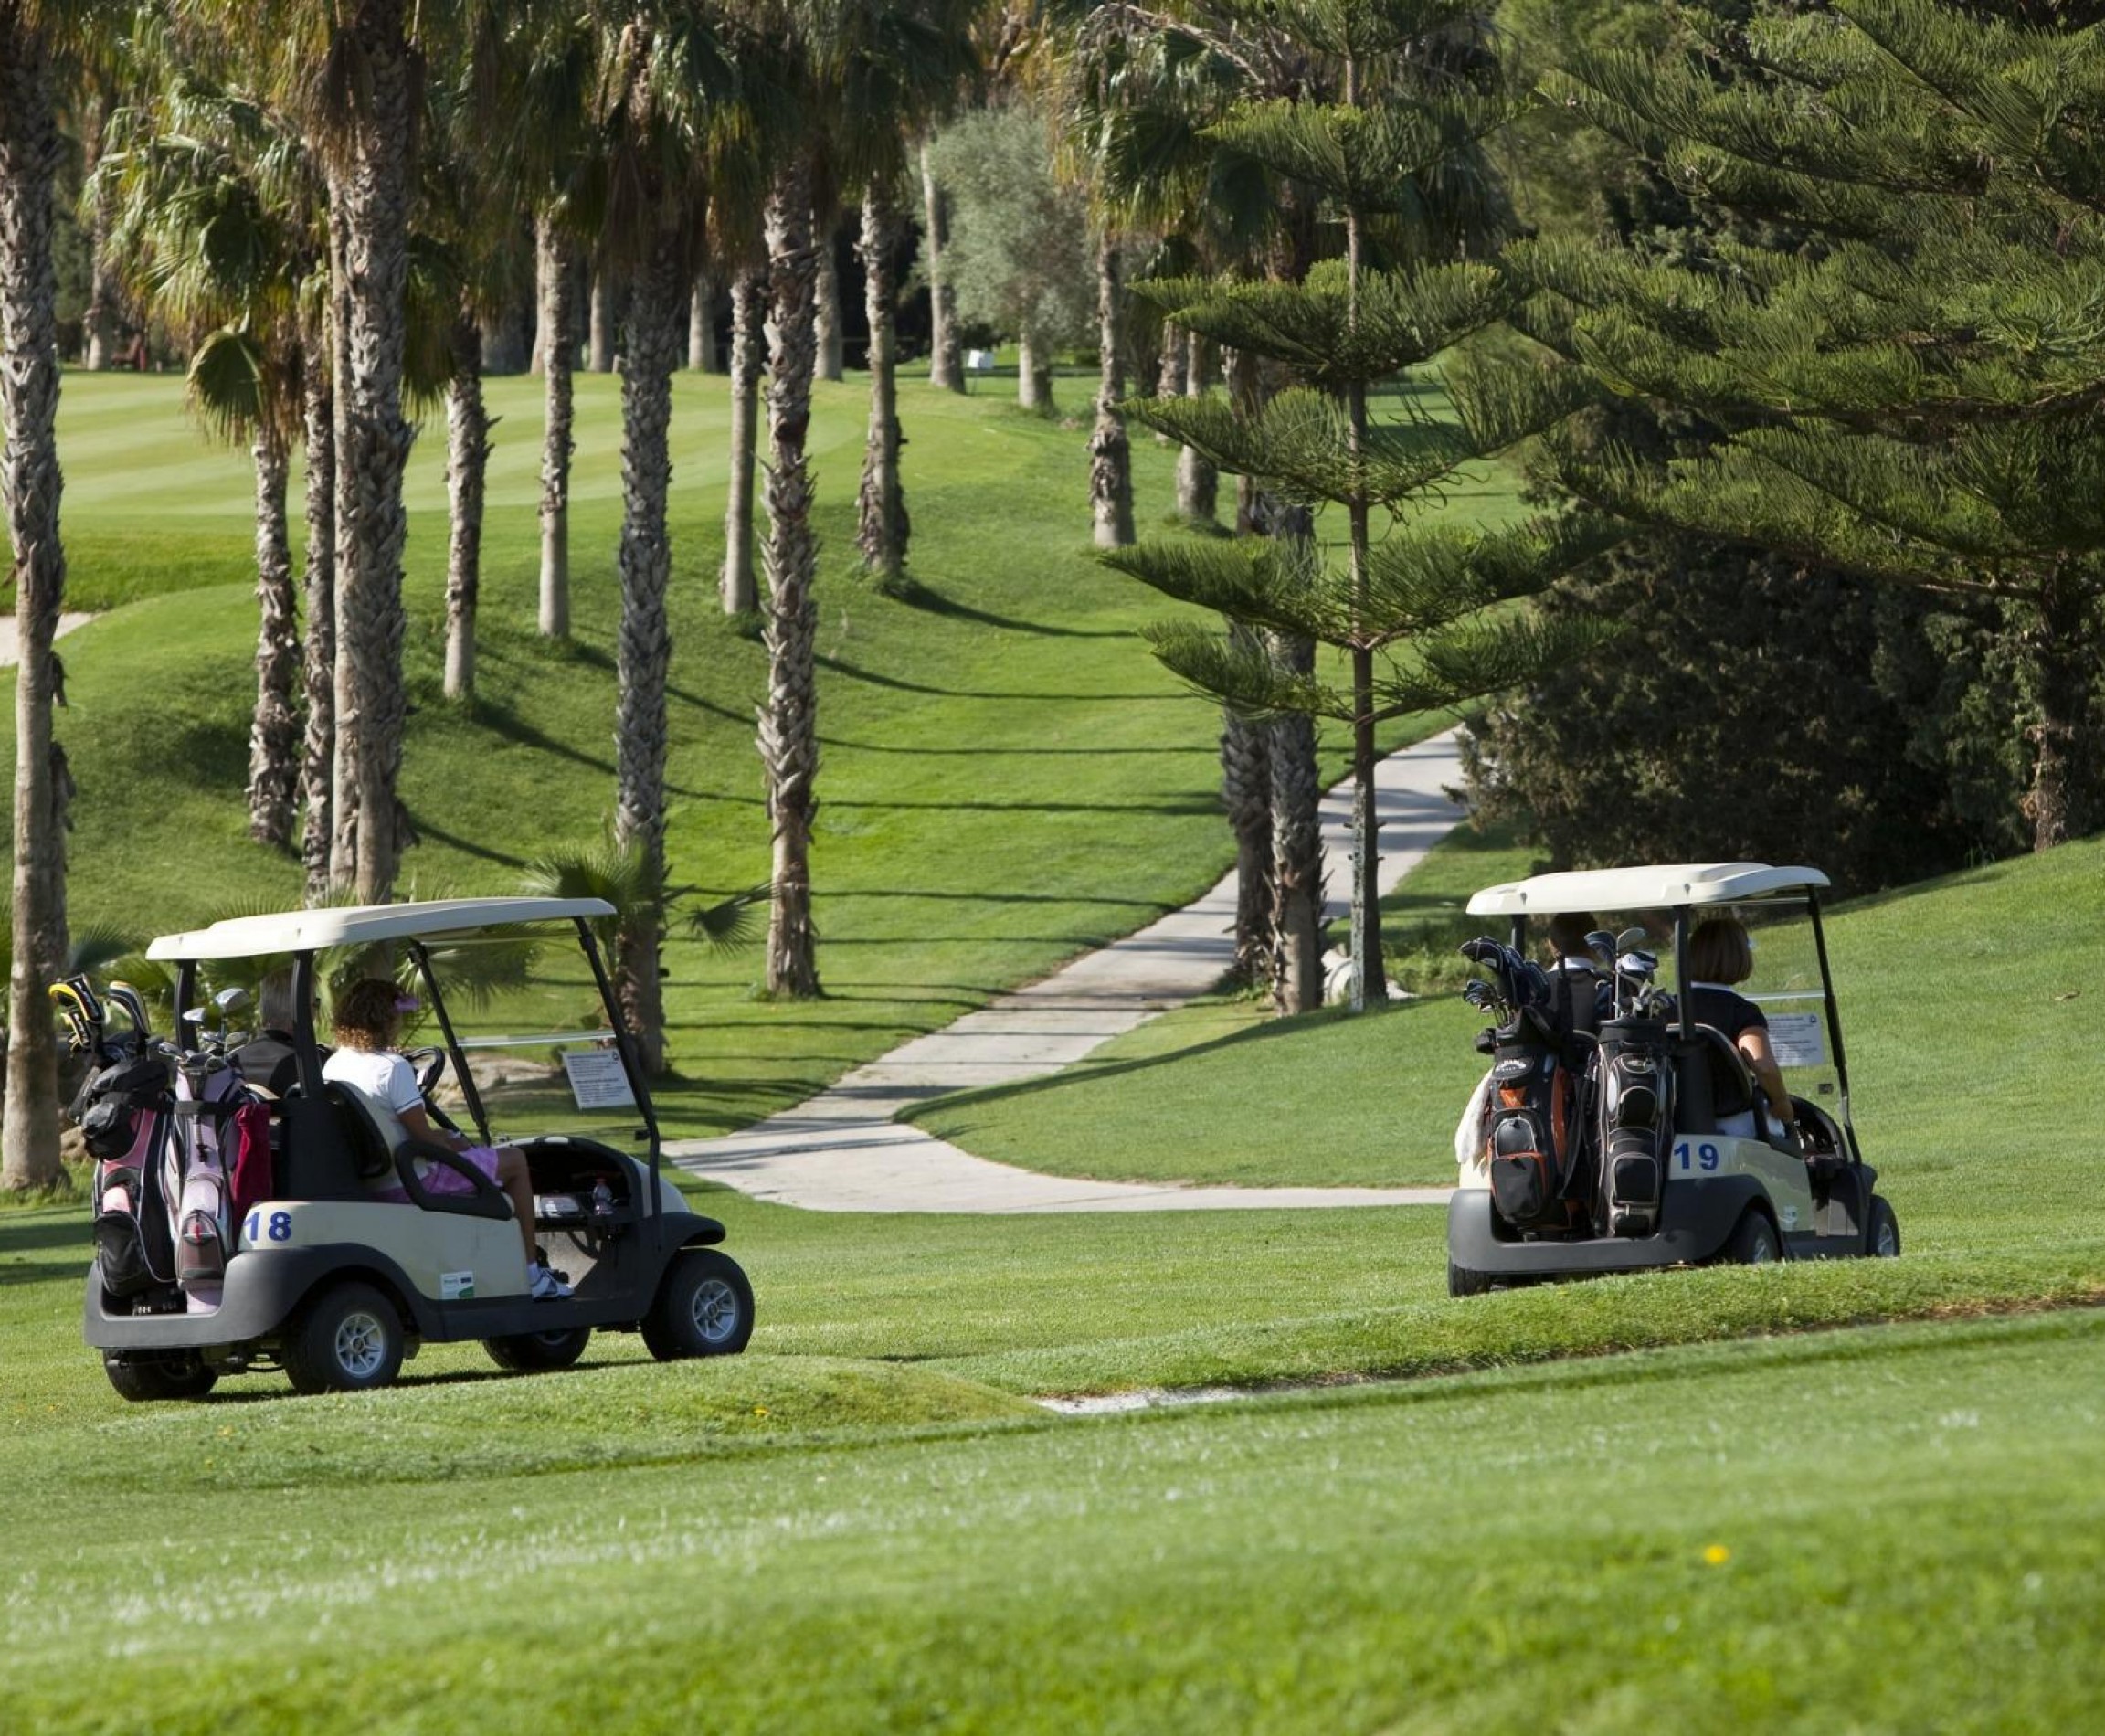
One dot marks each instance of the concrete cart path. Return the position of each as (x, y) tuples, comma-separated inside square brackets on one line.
[(842, 1151), (11, 636)]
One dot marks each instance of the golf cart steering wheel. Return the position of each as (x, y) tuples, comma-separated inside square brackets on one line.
[(430, 1066)]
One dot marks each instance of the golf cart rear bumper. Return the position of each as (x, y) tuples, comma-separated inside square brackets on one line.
[(1695, 1220)]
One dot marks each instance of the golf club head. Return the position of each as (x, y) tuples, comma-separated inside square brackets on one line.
[(1602, 945), (1479, 994), (195, 1015), (82, 1011), (230, 1000), (125, 996), (1632, 940), (1639, 967)]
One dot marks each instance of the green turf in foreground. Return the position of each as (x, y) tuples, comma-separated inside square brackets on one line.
[(1880, 1531)]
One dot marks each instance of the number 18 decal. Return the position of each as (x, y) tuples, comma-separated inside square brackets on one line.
[(277, 1226)]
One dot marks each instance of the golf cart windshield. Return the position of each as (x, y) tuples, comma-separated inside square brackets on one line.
[(1786, 985), (522, 1011)]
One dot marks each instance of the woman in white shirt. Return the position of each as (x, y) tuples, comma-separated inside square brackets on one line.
[(367, 1018)]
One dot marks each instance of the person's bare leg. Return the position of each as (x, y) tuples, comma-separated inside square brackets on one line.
[(512, 1178)]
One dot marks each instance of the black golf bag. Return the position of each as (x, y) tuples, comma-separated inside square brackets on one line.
[(1636, 1102), (1536, 1129)]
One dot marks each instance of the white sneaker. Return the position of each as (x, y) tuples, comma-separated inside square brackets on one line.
[(544, 1285)]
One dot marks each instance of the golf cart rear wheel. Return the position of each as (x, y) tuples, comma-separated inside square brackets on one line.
[(145, 1383), (1462, 1281), (1753, 1241), (347, 1340), (1883, 1242), (538, 1353), (704, 1308)]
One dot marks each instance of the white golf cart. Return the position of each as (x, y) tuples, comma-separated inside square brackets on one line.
[(336, 1287), (1652, 1144)]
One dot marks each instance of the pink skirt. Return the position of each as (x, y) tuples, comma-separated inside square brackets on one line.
[(443, 1179)]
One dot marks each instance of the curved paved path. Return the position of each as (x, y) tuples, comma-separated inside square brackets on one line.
[(841, 1150)]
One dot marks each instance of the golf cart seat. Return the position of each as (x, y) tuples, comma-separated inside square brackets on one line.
[(381, 1144), (1716, 1084)]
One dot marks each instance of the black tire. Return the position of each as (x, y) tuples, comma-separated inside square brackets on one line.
[(1883, 1243), (538, 1353), (1754, 1242), (146, 1383), (347, 1340), (704, 1308), (1461, 1281)]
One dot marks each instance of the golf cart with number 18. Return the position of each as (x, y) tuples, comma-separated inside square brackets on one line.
[(336, 1287)]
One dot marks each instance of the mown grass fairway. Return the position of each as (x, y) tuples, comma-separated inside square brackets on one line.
[(1008, 777)]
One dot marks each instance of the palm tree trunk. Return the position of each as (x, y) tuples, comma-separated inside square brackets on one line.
[(2055, 644), (343, 767), (657, 299), (372, 184), (884, 527), (30, 490), (1198, 483), (1172, 362), (467, 465), (1296, 796), (831, 363), (1246, 391), (606, 319), (1110, 454), (1033, 376), (105, 295), (1246, 792), (274, 736), (318, 750), (789, 721), (558, 280), (702, 356), (748, 298), (946, 361)]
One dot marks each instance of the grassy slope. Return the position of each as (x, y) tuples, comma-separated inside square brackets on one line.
[(1963, 973), (1009, 778), (1472, 1553)]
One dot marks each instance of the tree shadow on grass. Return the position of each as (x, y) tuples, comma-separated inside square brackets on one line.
[(503, 721), (1271, 1031), (930, 601), (902, 685)]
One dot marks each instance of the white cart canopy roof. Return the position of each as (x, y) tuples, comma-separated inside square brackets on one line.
[(1688, 883), (365, 925)]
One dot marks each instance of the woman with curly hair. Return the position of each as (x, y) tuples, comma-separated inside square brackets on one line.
[(367, 1018)]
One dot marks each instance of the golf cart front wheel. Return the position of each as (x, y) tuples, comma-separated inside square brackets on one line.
[(538, 1353), (1753, 1241), (348, 1339), (147, 1381), (704, 1308), (1883, 1242)]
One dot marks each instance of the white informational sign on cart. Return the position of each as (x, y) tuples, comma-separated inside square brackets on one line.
[(1796, 1040), (597, 1080)]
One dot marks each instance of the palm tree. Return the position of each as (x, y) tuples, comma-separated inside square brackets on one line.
[(946, 363), (31, 33), (904, 63), (363, 119), (558, 273), (749, 311), (213, 212), (663, 72)]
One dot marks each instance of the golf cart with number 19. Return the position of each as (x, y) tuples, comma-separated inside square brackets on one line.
[(1615, 1132), (335, 1285)]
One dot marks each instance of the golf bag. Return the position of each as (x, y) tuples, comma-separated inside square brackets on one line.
[(125, 1113), (1536, 1133), (1637, 1123), (211, 1121)]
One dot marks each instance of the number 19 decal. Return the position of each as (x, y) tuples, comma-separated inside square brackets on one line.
[(1689, 1156), (277, 1226)]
